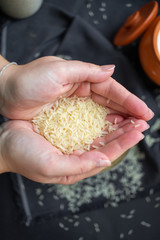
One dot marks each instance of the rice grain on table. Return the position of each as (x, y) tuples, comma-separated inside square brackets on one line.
[(145, 224)]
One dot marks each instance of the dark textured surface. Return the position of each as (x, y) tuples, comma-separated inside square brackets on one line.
[(123, 203)]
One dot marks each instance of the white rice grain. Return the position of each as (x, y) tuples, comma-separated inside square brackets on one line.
[(145, 224), (130, 231), (138, 125), (115, 121), (94, 146)]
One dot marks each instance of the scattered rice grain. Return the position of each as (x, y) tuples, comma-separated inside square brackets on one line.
[(151, 191), (76, 224), (104, 16), (103, 4), (88, 219), (94, 146), (130, 232), (148, 199), (96, 22), (121, 235), (61, 225), (66, 228), (91, 13), (157, 205), (38, 191), (145, 224), (102, 143), (138, 125), (115, 121), (88, 5), (128, 5), (102, 9), (40, 203), (132, 211)]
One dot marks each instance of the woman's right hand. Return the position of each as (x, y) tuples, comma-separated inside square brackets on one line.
[(25, 152)]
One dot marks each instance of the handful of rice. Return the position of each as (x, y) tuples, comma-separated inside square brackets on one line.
[(72, 123)]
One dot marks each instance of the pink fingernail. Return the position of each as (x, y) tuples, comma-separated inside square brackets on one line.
[(142, 137), (103, 163), (148, 126), (107, 67), (151, 112)]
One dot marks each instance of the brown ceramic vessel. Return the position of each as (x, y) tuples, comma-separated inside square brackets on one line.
[(149, 51), (144, 21)]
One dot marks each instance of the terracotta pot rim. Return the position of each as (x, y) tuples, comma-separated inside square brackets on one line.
[(136, 24), (155, 37)]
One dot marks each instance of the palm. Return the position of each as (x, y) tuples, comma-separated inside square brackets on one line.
[(34, 157)]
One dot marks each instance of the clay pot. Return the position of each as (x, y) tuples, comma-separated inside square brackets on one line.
[(149, 51), (145, 22)]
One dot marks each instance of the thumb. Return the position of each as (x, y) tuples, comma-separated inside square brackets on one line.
[(78, 71)]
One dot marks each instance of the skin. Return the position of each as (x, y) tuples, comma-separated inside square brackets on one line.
[(26, 89)]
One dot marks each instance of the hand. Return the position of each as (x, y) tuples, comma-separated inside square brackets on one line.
[(25, 152), (26, 89)]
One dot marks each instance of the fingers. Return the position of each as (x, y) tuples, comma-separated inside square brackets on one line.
[(113, 106), (83, 90), (78, 71), (114, 91), (117, 147), (121, 128)]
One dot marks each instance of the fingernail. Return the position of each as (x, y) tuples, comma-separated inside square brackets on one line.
[(151, 112), (103, 163), (142, 136), (148, 126), (107, 67)]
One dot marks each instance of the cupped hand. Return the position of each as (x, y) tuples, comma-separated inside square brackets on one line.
[(25, 152), (26, 89)]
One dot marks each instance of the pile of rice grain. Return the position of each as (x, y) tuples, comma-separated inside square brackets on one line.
[(72, 123)]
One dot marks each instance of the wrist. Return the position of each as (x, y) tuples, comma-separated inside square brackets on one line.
[(3, 168), (3, 62), (7, 70)]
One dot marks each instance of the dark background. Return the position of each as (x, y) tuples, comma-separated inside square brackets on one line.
[(78, 30)]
